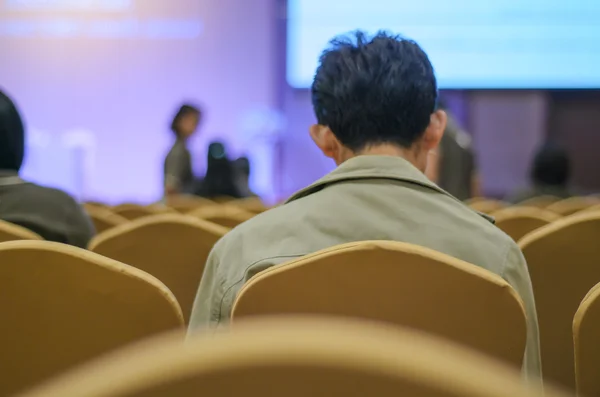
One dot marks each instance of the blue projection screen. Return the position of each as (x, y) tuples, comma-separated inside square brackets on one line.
[(472, 44)]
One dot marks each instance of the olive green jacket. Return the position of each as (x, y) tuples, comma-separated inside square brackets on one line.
[(365, 198)]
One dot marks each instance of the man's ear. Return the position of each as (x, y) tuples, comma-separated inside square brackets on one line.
[(435, 130), (325, 140)]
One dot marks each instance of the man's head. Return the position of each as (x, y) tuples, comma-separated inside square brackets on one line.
[(12, 135), (376, 96), (186, 121)]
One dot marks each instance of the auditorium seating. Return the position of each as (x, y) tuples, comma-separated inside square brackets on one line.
[(397, 283), (518, 221), (295, 358), (486, 206), (250, 204), (186, 203), (63, 305), (136, 211), (104, 218), (539, 201), (171, 247), (572, 205), (11, 232), (563, 263), (225, 215), (586, 330)]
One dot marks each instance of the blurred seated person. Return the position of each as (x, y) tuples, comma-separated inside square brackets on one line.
[(178, 173), (51, 213), (550, 173), (453, 165), (241, 168), (375, 104), (219, 181)]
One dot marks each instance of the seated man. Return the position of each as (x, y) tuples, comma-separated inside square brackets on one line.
[(375, 102)]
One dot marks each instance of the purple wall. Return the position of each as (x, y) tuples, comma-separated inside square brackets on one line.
[(116, 76)]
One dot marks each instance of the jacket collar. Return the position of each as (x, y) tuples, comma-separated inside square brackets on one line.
[(375, 167)]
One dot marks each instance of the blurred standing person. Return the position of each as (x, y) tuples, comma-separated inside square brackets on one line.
[(219, 180), (453, 165), (242, 176), (178, 173), (51, 213), (550, 174)]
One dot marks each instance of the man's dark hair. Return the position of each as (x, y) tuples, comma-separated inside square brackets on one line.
[(376, 91), (12, 135), (183, 111), (551, 166)]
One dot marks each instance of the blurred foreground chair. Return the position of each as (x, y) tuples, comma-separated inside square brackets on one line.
[(518, 221), (586, 329), (487, 206), (63, 305), (104, 219), (11, 232), (224, 215), (572, 205), (294, 358), (136, 211), (539, 201), (187, 203), (398, 283), (250, 204), (171, 247), (563, 260)]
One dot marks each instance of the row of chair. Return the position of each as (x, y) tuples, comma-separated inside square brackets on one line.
[(294, 358)]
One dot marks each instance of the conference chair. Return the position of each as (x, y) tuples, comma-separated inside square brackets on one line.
[(586, 328), (187, 203), (487, 206), (61, 306), (11, 232), (518, 221), (593, 208), (572, 205), (136, 211), (398, 283), (171, 247), (295, 358), (225, 215), (539, 201), (104, 218), (250, 204), (563, 262)]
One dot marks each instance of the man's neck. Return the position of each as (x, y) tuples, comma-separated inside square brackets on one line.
[(409, 155)]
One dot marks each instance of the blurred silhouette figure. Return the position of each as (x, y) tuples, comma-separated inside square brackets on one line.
[(51, 213), (453, 166), (220, 179), (178, 173), (242, 176), (550, 173)]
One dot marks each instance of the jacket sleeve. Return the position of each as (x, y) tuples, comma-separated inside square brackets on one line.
[(516, 274), (207, 305)]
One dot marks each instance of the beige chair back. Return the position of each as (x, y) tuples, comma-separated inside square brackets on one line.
[(518, 221), (295, 358), (11, 232), (563, 260), (136, 211), (572, 205), (586, 329), (186, 203), (250, 204), (539, 201), (593, 208), (397, 283), (63, 305), (171, 247), (224, 215), (487, 206), (104, 219)]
